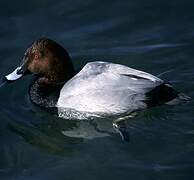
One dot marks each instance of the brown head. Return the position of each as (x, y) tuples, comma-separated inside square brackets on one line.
[(48, 60)]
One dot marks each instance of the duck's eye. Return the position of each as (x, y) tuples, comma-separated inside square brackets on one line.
[(36, 56)]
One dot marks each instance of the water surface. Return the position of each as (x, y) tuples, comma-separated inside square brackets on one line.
[(154, 36)]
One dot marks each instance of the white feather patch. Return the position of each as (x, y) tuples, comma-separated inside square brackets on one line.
[(14, 76)]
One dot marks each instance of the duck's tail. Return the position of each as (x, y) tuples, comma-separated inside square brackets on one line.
[(181, 98), (165, 94)]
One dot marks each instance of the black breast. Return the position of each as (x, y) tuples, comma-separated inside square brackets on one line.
[(44, 96)]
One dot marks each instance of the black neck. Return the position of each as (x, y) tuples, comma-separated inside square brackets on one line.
[(44, 96)]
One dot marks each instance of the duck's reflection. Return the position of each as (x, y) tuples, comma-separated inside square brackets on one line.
[(59, 136)]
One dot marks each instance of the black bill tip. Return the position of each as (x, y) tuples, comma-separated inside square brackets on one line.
[(3, 81)]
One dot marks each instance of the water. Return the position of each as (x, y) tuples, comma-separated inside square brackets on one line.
[(154, 36)]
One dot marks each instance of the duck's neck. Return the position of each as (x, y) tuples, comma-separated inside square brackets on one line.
[(44, 95), (59, 73), (45, 89)]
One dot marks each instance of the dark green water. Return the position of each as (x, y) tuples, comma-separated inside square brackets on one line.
[(154, 36)]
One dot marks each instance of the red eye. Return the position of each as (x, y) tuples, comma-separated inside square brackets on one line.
[(35, 56)]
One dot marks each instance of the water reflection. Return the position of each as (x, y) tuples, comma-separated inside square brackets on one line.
[(36, 145), (56, 135)]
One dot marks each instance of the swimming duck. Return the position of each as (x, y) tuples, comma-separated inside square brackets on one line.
[(99, 88)]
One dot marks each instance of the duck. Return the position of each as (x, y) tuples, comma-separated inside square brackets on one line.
[(99, 88)]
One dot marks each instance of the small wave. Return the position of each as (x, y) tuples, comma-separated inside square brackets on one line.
[(130, 49), (72, 114)]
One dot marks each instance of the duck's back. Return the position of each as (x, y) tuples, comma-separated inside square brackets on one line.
[(102, 87)]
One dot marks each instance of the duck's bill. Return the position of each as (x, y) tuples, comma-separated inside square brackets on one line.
[(15, 75)]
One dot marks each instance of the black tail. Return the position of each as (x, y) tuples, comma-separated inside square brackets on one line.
[(164, 93)]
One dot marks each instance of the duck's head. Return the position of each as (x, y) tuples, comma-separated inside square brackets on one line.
[(45, 58)]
